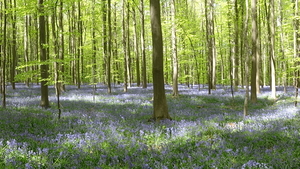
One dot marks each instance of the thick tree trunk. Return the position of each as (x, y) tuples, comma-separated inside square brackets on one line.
[(160, 107)]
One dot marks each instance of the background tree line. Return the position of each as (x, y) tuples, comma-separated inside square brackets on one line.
[(227, 42)]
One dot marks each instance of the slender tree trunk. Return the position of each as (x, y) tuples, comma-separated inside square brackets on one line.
[(160, 107), (62, 45), (43, 56), (108, 70), (136, 48), (254, 52), (128, 56), (282, 49), (258, 50), (79, 59), (3, 53), (231, 41), (56, 63), (270, 15), (245, 47), (209, 14), (296, 49), (26, 46), (125, 46), (13, 45), (236, 46), (174, 50), (144, 69), (115, 49)]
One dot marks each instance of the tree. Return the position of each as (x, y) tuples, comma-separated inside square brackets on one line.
[(296, 49), (245, 53), (13, 44), (254, 51), (125, 48), (106, 19), (174, 50), (270, 15), (211, 47), (44, 68), (144, 69), (160, 107), (136, 48), (3, 31)]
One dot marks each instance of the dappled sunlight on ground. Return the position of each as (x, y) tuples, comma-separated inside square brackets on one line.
[(111, 130)]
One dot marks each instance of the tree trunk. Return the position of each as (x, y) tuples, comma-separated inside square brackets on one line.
[(26, 46), (4, 54), (245, 47), (144, 69), (282, 49), (296, 49), (79, 59), (160, 107), (211, 48), (174, 50), (43, 56), (124, 46), (254, 52), (270, 16), (236, 46), (13, 45), (136, 48), (62, 45), (56, 45), (128, 57)]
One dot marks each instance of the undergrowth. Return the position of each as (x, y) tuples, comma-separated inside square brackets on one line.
[(208, 131)]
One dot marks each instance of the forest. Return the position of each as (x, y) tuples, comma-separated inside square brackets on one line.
[(149, 84)]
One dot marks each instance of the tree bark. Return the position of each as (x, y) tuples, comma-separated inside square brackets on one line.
[(160, 107), (62, 45), (128, 56), (245, 47), (13, 45), (270, 16), (136, 48), (211, 48), (43, 56), (296, 49), (144, 69), (4, 54), (174, 50), (79, 60), (236, 46), (254, 52), (124, 45)]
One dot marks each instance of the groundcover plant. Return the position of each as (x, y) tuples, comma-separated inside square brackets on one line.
[(99, 130)]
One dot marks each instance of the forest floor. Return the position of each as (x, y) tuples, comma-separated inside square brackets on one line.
[(100, 130)]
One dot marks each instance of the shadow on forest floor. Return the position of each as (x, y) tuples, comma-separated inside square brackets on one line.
[(207, 130)]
